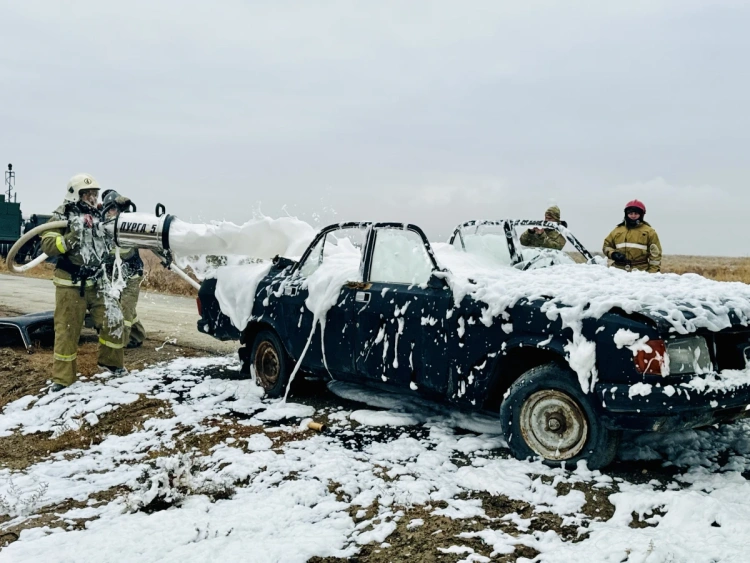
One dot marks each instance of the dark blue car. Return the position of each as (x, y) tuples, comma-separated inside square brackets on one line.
[(396, 321)]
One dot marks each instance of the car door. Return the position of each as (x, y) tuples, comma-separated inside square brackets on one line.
[(332, 339), (401, 311)]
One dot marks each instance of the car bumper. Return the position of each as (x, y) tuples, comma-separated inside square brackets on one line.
[(220, 331), (205, 326), (706, 399)]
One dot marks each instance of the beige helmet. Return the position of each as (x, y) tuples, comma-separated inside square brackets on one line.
[(79, 183)]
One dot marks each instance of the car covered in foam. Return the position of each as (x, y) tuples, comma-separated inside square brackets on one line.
[(567, 352)]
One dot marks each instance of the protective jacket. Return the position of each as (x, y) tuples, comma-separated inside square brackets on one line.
[(640, 245), (80, 251), (132, 264), (549, 238)]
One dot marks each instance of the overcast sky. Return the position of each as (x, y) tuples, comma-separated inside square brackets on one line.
[(428, 112)]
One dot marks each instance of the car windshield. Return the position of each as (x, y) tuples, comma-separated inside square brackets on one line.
[(534, 245), (541, 247), (485, 240)]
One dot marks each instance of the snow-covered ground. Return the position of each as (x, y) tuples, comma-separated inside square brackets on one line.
[(269, 489)]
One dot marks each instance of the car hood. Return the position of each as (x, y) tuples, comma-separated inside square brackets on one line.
[(677, 303)]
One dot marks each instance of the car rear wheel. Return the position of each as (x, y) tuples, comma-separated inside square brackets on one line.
[(546, 414), (270, 363)]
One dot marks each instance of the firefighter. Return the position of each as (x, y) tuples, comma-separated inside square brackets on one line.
[(545, 238), (80, 250), (132, 270), (634, 244)]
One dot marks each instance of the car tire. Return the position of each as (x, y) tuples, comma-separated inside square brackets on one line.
[(546, 414), (270, 362)]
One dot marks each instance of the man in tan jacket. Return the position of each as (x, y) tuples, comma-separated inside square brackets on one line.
[(634, 244)]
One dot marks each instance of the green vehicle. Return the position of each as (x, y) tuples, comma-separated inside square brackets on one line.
[(11, 222)]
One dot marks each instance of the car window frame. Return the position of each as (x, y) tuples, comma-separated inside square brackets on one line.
[(372, 238), (367, 251), (323, 233)]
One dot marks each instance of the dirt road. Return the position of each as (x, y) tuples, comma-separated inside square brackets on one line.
[(165, 317)]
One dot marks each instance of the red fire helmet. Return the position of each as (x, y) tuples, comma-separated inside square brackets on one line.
[(637, 204)]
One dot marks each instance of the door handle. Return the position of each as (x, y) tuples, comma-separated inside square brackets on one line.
[(362, 297), (290, 290)]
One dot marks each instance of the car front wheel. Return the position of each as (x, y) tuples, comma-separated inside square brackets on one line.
[(546, 414)]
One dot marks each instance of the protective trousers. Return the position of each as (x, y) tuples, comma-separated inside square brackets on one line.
[(134, 330), (70, 311)]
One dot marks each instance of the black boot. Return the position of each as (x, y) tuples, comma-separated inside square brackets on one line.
[(117, 372)]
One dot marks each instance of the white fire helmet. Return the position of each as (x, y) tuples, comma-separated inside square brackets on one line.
[(79, 183)]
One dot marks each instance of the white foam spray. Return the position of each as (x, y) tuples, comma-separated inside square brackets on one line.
[(111, 290), (262, 237)]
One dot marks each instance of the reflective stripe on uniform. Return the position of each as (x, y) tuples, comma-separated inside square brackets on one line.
[(70, 283), (131, 322), (110, 344), (64, 358), (655, 262), (632, 245), (59, 240)]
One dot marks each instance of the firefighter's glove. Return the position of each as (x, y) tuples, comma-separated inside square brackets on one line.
[(71, 239), (122, 201), (618, 257)]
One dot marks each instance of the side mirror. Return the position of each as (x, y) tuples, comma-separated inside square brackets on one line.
[(280, 262), (437, 281)]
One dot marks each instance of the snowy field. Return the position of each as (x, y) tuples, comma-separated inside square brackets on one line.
[(218, 474)]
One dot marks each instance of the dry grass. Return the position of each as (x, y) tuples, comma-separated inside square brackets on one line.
[(718, 268), (155, 276), (713, 267), (160, 280)]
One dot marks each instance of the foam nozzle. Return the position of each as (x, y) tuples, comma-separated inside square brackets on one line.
[(142, 230)]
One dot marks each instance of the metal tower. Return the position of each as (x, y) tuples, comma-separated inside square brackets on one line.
[(10, 181)]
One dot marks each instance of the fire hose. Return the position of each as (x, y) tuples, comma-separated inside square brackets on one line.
[(140, 230), (10, 260)]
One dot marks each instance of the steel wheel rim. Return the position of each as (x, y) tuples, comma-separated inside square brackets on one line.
[(554, 425), (267, 365)]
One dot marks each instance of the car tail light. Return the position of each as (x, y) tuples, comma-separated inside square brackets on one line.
[(689, 355), (652, 359), (200, 306)]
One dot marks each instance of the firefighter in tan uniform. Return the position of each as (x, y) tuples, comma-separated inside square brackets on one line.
[(132, 271), (135, 333), (80, 250), (545, 238), (634, 244)]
